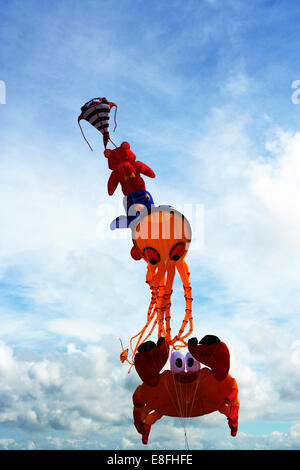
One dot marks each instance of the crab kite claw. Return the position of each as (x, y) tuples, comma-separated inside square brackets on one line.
[(233, 420), (211, 352), (150, 359), (141, 427)]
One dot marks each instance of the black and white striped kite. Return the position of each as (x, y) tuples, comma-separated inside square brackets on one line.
[(96, 112)]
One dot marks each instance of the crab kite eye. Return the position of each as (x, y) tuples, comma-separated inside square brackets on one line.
[(177, 362), (192, 365), (151, 255), (177, 251)]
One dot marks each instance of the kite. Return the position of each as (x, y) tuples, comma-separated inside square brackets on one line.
[(134, 204), (187, 390), (162, 238), (97, 112), (126, 170)]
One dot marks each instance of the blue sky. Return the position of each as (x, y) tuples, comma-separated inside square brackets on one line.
[(204, 97)]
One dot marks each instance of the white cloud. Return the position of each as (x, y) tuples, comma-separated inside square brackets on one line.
[(64, 391), (6, 359), (251, 214), (46, 373), (238, 83), (6, 443)]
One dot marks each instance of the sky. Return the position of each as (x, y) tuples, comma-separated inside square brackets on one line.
[(207, 95)]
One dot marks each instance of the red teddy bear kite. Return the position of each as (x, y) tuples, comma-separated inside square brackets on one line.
[(126, 170)]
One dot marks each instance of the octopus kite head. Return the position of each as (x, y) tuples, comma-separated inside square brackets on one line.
[(162, 237)]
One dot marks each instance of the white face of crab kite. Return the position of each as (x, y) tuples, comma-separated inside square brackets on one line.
[(184, 367), (183, 363)]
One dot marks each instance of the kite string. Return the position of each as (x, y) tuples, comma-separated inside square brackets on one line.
[(112, 142), (180, 402)]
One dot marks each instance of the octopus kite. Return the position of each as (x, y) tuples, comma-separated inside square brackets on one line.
[(162, 238)]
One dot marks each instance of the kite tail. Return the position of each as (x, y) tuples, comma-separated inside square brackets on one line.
[(84, 135), (111, 105), (115, 121)]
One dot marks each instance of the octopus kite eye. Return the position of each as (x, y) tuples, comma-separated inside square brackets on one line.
[(147, 197), (177, 251), (177, 362), (151, 255), (192, 365)]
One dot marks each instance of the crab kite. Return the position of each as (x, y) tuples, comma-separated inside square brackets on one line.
[(188, 389)]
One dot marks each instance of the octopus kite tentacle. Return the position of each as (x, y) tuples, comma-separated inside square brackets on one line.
[(182, 268)]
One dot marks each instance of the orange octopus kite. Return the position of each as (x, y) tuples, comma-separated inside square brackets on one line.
[(162, 239)]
